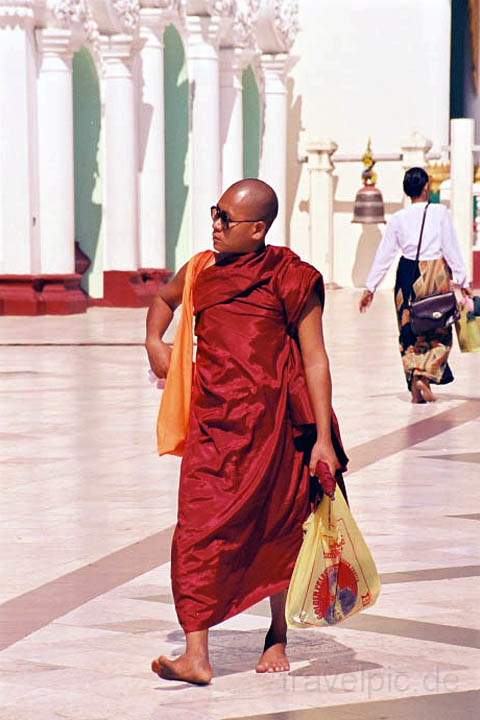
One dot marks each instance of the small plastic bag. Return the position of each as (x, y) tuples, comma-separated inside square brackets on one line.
[(335, 575), (468, 333)]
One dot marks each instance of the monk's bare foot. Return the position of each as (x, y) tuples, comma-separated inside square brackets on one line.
[(273, 660), (425, 390), (274, 657), (188, 669)]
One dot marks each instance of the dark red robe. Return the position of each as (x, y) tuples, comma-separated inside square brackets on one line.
[(244, 485)]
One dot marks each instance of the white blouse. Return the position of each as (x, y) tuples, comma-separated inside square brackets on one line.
[(402, 234)]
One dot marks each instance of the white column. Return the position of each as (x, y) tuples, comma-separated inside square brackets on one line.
[(152, 141), (55, 150), (414, 151), (414, 154), (320, 169), (121, 192), (18, 137), (461, 174), (232, 62), (273, 161), (203, 71)]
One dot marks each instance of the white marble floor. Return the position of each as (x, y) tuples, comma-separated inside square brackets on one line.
[(87, 513)]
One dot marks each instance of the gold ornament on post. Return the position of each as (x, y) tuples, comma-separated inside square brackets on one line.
[(368, 208), (438, 173)]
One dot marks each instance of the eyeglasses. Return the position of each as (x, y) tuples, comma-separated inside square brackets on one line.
[(222, 215)]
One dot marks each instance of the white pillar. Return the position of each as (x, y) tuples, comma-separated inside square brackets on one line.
[(152, 141), (232, 62), (55, 151), (320, 169), (273, 161), (18, 137), (203, 72), (461, 173), (414, 154), (414, 151), (121, 192)]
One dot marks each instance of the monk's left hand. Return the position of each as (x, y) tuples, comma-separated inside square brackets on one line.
[(324, 452)]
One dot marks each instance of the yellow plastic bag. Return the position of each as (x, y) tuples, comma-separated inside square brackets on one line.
[(468, 333), (335, 575)]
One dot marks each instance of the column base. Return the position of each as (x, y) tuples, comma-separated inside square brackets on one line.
[(131, 288), (42, 295), (476, 269), (332, 286)]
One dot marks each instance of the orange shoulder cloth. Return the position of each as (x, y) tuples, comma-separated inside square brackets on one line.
[(174, 414)]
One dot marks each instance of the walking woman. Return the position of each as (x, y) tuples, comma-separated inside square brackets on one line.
[(440, 268)]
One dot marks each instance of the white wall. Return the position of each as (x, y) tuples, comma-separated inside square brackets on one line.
[(369, 68)]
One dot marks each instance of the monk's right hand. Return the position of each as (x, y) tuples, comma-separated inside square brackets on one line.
[(159, 356), (365, 300)]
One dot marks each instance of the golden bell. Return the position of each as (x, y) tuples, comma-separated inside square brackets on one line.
[(369, 208)]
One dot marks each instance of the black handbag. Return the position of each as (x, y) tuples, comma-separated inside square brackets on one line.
[(434, 311)]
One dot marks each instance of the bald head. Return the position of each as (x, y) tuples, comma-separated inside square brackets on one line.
[(243, 217), (254, 199)]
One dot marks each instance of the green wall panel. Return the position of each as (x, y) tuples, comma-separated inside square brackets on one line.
[(251, 124), (87, 160), (177, 205)]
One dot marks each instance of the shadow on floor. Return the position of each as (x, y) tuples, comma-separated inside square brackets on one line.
[(233, 651), (468, 457), (441, 396)]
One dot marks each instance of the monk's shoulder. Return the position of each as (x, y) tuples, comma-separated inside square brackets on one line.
[(281, 252), (282, 257), (285, 259), (200, 261), (203, 255)]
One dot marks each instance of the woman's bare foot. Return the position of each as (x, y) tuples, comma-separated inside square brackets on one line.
[(417, 397), (274, 657), (194, 670), (425, 390)]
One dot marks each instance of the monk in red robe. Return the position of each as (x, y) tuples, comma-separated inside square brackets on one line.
[(261, 421)]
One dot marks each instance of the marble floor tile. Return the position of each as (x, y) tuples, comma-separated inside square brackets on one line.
[(453, 706)]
